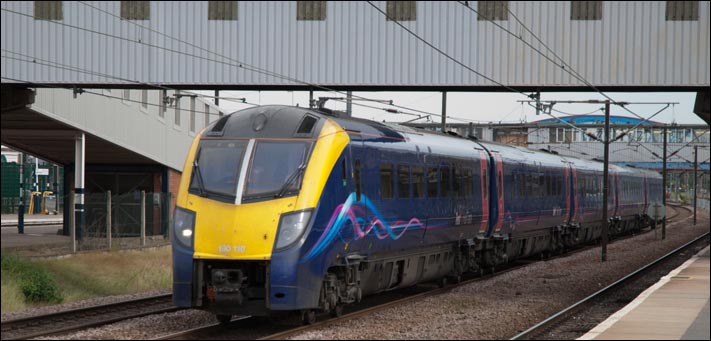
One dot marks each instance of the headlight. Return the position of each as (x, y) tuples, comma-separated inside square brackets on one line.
[(291, 227), (183, 226)]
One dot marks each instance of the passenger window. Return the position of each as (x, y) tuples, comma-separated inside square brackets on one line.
[(529, 185), (387, 181), (456, 182), (554, 185), (418, 182), (468, 183), (446, 186), (403, 181), (432, 182), (357, 179)]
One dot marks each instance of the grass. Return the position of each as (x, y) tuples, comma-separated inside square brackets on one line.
[(12, 297), (91, 275), (34, 282)]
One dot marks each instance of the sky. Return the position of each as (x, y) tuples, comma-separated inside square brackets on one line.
[(481, 107)]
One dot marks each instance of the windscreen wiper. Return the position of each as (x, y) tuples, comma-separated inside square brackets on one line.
[(201, 185), (290, 179)]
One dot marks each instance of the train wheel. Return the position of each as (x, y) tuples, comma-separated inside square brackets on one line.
[(308, 316), (442, 282), (337, 311), (224, 319)]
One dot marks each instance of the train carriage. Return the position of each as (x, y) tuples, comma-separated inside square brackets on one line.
[(285, 208)]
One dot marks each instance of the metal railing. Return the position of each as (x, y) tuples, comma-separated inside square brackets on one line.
[(130, 220)]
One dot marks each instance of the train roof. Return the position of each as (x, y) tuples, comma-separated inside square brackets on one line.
[(288, 117)]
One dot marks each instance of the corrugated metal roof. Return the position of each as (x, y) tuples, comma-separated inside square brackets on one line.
[(633, 45)]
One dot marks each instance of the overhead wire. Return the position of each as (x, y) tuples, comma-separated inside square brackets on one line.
[(121, 98), (696, 137), (572, 114), (247, 66), (509, 32), (465, 4), (48, 63), (239, 64), (43, 62), (273, 74), (568, 124), (447, 56), (444, 53), (566, 67), (254, 68)]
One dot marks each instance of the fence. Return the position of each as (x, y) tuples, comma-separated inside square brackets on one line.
[(131, 220), (703, 204), (111, 222)]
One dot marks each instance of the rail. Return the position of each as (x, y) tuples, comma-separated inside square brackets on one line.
[(75, 319)]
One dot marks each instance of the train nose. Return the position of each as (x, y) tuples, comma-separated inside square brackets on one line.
[(228, 279), (218, 277)]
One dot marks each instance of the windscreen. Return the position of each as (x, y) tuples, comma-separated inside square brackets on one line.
[(218, 164), (277, 167)]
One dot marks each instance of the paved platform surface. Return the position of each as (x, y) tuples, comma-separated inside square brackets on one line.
[(675, 308), (42, 238), (8, 220), (38, 236)]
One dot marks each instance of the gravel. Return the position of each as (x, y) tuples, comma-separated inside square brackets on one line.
[(143, 328), (599, 309), (78, 304), (512, 302), (492, 309)]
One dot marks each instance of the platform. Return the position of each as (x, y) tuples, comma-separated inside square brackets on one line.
[(10, 220), (675, 308)]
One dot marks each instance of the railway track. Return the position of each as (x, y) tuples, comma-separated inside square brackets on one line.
[(245, 327), (76, 319), (677, 212), (539, 330), (238, 327)]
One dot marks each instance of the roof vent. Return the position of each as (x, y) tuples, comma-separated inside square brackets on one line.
[(306, 126), (219, 128), (550, 151)]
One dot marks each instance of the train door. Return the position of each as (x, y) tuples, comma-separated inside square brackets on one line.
[(365, 171), (357, 151), (646, 198), (497, 192), (575, 200), (484, 164), (614, 194), (568, 196)]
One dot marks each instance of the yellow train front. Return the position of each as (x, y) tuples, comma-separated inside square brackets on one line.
[(249, 190)]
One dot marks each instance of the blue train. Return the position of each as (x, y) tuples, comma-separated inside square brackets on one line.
[(286, 208)]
